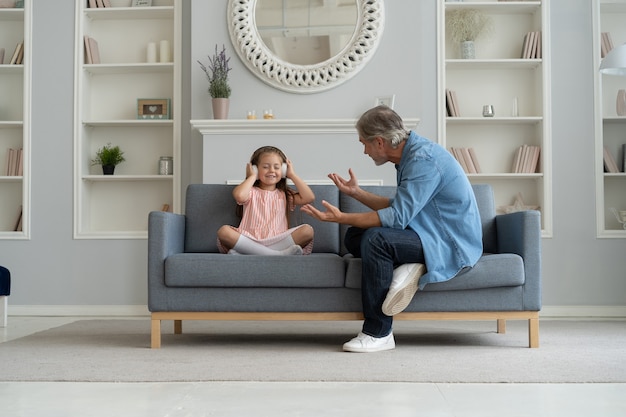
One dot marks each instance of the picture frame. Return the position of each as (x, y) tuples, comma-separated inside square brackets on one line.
[(153, 108), (141, 3)]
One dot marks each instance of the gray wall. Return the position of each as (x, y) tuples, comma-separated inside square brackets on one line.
[(54, 269)]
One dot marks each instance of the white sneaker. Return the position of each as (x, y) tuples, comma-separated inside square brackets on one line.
[(363, 343), (403, 287)]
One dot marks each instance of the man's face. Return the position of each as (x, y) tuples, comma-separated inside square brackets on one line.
[(375, 148)]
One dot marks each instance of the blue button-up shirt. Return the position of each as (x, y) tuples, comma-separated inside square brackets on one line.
[(435, 199)]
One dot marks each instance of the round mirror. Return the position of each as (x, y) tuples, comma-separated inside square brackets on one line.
[(305, 46)]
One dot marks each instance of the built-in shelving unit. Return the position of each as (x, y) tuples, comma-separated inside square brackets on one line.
[(609, 17), (517, 88), (15, 81), (106, 111)]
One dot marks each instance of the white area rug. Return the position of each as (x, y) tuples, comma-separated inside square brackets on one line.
[(118, 351)]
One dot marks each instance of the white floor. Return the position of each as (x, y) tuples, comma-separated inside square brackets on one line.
[(258, 399)]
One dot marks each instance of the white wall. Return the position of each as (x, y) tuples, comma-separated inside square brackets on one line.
[(53, 269)]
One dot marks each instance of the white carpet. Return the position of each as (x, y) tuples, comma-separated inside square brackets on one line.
[(118, 351)]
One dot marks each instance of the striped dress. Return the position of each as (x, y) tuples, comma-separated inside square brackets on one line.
[(264, 219)]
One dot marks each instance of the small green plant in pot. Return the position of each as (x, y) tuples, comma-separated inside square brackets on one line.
[(108, 156)]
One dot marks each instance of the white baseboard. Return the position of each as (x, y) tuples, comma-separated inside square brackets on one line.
[(142, 310), (583, 312), (79, 310)]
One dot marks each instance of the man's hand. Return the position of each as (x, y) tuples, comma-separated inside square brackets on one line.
[(349, 187), (332, 213)]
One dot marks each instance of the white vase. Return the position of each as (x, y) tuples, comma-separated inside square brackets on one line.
[(620, 105), (467, 50)]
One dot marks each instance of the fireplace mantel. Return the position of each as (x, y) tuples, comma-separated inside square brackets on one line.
[(317, 147), (279, 126)]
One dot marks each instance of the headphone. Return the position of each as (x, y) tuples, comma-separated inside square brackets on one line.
[(283, 169)]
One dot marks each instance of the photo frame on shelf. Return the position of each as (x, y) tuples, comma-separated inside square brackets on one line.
[(141, 3), (153, 108)]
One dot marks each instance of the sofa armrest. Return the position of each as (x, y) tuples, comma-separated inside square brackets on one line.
[(520, 233), (166, 236)]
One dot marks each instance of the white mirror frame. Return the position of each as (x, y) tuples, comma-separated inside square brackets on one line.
[(305, 79)]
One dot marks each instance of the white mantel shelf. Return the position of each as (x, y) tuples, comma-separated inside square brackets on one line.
[(279, 126)]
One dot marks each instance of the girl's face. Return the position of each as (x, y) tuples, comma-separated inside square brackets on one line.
[(270, 169)]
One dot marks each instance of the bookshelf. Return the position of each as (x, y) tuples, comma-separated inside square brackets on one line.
[(609, 16), (518, 89), (15, 82), (107, 91)]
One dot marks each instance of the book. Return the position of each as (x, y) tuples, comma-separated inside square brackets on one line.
[(466, 157), (524, 46), (1, 56), (99, 3), (538, 53), (92, 4), (468, 161), (20, 56), (606, 43), (530, 38), (95, 52), (449, 110), (533, 46), (16, 53), (455, 104), (472, 153), (624, 157), (450, 104), (19, 168), (88, 59), (609, 162), (18, 223), (526, 159)]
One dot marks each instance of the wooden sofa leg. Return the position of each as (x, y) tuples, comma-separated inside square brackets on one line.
[(178, 326), (155, 335), (533, 333), (501, 326)]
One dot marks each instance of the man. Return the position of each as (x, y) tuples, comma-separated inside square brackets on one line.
[(429, 232)]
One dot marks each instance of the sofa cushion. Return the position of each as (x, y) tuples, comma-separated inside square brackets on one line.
[(491, 271), (217, 270), (209, 206), (326, 238)]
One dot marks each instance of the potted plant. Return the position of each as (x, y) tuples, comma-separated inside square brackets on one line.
[(466, 25), (217, 73), (108, 156)]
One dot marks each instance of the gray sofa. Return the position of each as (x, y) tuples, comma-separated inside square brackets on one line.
[(188, 279)]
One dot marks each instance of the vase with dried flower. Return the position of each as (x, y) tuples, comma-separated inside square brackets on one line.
[(217, 73), (465, 26)]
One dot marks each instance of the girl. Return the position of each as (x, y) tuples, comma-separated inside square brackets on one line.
[(266, 201)]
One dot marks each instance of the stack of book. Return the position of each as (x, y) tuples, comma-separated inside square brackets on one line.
[(99, 3), (610, 164), (452, 105), (467, 158), (526, 159), (606, 44), (92, 53), (531, 47), (18, 55), (15, 166)]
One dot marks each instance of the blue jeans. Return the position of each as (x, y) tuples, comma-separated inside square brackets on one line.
[(381, 249)]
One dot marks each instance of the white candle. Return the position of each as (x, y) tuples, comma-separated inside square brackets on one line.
[(165, 51), (151, 53)]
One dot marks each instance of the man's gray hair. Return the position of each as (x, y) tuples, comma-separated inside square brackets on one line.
[(382, 121)]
